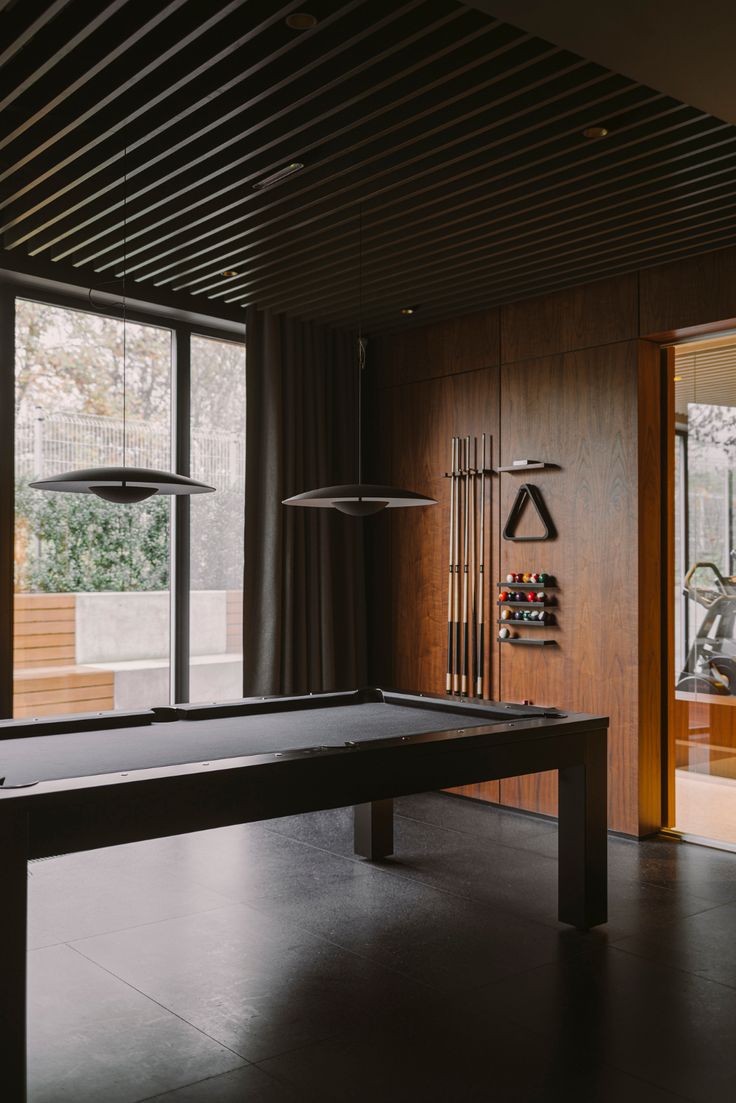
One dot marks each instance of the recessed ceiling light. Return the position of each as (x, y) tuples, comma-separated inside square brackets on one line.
[(595, 132), (407, 310), (229, 272), (277, 177), (301, 21)]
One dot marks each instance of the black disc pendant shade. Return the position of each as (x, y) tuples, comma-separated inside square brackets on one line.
[(359, 499), (121, 485)]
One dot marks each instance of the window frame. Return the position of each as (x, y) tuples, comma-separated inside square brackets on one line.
[(183, 326)]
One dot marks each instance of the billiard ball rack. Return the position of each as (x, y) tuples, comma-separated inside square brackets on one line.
[(548, 605)]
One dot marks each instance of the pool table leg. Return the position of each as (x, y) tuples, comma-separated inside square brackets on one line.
[(583, 858), (373, 829), (13, 944)]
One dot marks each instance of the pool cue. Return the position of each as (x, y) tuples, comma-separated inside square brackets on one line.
[(456, 578), (451, 573), (466, 502), (481, 553), (473, 562)]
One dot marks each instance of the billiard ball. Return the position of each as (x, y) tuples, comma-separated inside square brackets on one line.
[(511, 578), (542, 616), (504, 633), (531, 596), (503, 595), (539, 595), (518, 614), (535, 577), (543, 578), (526, 577), (505, 614)]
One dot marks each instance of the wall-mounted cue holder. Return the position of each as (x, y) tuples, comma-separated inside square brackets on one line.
[(526, 600), (469, 493)]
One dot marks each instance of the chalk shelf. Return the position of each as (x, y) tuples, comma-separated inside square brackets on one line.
[(527, 586), (522, 641), (525, 604), (530, 465), (527, 623)]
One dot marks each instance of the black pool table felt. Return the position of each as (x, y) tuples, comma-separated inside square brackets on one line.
[(172, 743)]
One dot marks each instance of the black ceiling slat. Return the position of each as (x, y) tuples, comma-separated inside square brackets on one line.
[(394, 236), (513, 278), (429, 179), (53, 106), (403, 259), (460, 135), (348, 220), (324, 181), (265, 158), (111, 144), (541, 252), (127, 95), (142, 179), (31, 65), (394, 226), (23, 22), (467, 299), (454, 306), (399, 249), (390, 180)]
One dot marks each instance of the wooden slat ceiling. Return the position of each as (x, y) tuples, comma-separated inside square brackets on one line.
[(459, 135)]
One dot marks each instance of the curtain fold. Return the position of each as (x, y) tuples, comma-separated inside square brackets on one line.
[(304, 580)]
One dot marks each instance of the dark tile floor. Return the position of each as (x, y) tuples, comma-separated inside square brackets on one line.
[(266, 964)]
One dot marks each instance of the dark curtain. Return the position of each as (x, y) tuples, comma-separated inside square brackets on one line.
[(304, 584)]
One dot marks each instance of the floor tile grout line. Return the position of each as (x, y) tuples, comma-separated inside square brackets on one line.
[(168, 1010), (393, 872), (525, 850), (136, 926), (675, 968), (203, 1080)]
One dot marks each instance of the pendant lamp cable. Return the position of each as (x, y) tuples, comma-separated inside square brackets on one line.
[(125, 287), (361, 347)]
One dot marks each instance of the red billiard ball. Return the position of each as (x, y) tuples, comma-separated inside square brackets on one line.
[(504, 595), (531, 596), (539, 595)]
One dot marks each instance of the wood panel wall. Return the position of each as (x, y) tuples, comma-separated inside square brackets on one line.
[(567, 379)]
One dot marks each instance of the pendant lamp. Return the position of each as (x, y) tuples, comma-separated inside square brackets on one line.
[(122, 485), (359, 499)]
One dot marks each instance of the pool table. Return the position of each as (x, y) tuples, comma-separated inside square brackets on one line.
[(76, 783)]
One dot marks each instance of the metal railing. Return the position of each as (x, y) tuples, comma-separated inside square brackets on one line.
[(48, 444)]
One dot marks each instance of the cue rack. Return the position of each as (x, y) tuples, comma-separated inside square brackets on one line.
[(469, 491)]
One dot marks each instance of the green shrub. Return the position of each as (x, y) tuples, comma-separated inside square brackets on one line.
[(78, 543)]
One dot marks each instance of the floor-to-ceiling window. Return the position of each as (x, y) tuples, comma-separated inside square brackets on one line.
[(704, 623), (217, 537), (94, 581)]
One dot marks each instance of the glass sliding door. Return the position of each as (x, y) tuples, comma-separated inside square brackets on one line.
[(92, 593), (217, 371), (704, 643)]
